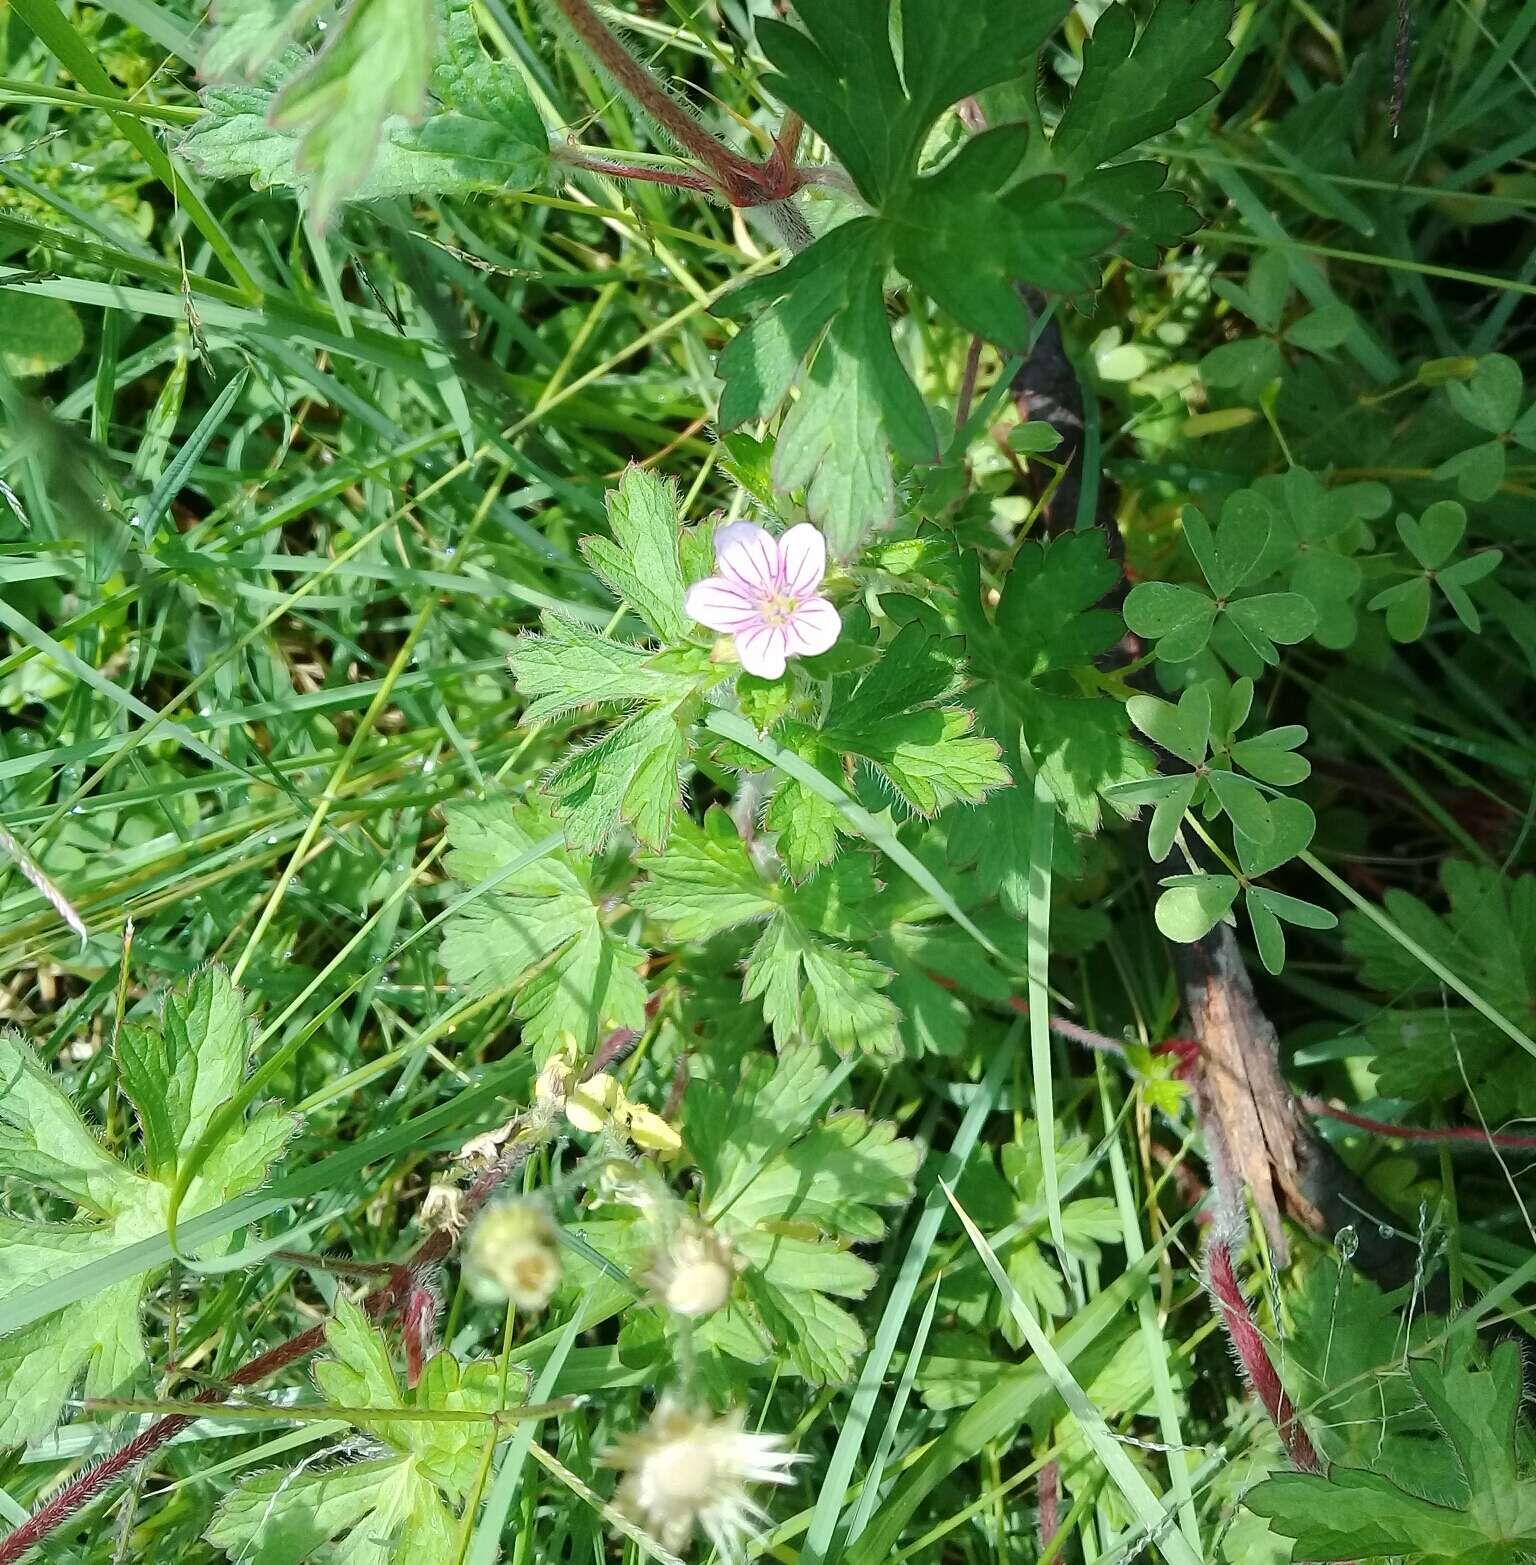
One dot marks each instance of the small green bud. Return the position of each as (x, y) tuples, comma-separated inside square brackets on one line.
[(1436, 372)]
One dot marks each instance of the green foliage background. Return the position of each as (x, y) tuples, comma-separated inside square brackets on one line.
[(357, 756)]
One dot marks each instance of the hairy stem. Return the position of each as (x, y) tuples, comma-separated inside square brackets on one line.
[(735, 176), (404, 1280), (1252, 1354), (596, 163)]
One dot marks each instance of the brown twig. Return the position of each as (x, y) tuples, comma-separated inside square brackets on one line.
[(968, 384), (1048, 1497)]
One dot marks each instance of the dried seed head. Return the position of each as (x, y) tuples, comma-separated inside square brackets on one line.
[(442, 1208), (513, 1256), (694, 1271), (689, 1469)]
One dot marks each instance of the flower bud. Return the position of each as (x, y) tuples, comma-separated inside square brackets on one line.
[(513, 1256), (693, 1274)]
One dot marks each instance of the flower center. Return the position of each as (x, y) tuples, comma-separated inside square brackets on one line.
[(682, 1475), (779, 608)]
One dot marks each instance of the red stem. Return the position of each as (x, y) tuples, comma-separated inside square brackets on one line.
[(737, 178), (405, 1278), (1465, 1135), (1253, 1355), (651, 176)]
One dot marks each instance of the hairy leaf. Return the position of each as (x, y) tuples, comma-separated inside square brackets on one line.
[(540, 932), (178, 1073), (403, 1505)]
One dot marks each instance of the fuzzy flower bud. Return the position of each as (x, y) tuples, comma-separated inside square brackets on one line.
[(689, 1469), (694, 1272), (512, 1256)]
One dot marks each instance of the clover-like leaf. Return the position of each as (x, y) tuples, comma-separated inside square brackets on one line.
[(1182, 619), (1432, 541), (1192, 905), (1490, 397), (1269, 911)]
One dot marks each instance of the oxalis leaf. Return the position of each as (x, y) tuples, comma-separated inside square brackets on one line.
[(177, 1073), (351, 128), (793, 1189), (402, 1504)]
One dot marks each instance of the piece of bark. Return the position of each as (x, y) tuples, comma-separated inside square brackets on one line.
[(1258, 1136)]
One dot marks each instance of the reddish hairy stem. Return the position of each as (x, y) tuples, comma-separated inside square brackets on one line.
[(645, 172), (403, 1280), (416, 1323), (1461, 1135), (79, 1493), (1253, 1355), (736, 177)]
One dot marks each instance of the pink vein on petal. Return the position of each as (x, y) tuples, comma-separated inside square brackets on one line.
[(762, 650), (719, 604), (804, 554), (748, 556), (812, 628)]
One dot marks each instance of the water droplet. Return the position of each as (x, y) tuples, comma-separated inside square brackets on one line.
[(1384, 1230), (1346, 1241)]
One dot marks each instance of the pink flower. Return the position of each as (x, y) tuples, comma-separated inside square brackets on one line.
[(765, 596)]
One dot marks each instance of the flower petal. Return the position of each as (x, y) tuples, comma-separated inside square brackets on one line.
[(812, 628), (762, 650), (803, 552), (719, 604), (748, 556)]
